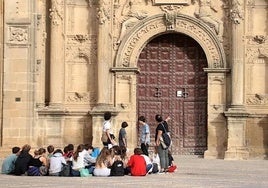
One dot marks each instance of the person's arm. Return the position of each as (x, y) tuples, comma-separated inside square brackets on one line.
[(159, 133), (168, 119)]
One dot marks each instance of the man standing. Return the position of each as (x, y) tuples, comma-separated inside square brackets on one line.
[(145, 135)]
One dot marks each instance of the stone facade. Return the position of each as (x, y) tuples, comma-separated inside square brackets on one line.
[(65, 62)]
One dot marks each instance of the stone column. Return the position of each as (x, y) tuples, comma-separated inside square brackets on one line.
[(104, 52), (217, 131), (56, 55), (104, 61), (236, 115)]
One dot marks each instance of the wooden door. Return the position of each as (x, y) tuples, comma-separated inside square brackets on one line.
[(172, 82)]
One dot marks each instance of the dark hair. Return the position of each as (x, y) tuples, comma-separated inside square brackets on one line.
[(70, 147), (15, 149), (88, 146), (80, 148), (66, 149), (107, 116), (26, 148), (41, 151), (117, 150), (138, 151), (142, 118), (58, 151), (50, 148), (124, 124), (158, 118)]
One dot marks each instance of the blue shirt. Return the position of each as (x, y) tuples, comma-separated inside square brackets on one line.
[(145, 130), (8, 164)]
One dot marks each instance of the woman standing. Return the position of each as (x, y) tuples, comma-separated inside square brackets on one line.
[(163, 153)]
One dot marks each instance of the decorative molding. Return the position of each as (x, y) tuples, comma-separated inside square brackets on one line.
[(171, 2), (134, 42)]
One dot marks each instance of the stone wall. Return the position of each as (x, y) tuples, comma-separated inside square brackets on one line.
[(64, 63)]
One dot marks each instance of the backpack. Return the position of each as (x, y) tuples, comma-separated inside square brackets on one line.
[(166, 137), (117, 168)]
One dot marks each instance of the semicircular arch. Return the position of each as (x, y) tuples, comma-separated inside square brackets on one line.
[(133, 43)]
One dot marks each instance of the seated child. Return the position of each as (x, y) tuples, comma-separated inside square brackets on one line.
[(137, 163), (8, 164)]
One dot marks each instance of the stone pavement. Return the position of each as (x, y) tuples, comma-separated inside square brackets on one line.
[(193, 172)]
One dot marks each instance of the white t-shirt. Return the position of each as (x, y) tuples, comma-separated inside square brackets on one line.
[(79, 162), (107, 126)]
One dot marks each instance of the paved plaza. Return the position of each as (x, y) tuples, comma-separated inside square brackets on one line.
[(192, 172)]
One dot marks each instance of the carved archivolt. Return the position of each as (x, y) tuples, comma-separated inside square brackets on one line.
[(133, 43)]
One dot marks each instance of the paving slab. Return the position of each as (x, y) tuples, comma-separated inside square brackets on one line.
[(193, 172)]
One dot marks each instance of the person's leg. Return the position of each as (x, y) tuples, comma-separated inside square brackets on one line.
[(144, 149), (161, 157), (166, 160)]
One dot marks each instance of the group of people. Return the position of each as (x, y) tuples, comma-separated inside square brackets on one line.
[(86, 160), (163, 153)]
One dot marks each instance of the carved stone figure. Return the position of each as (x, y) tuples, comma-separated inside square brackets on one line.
[(205, 13), (131, 13)]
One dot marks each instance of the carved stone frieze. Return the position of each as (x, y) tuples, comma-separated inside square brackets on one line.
[(257, 99), (81, 97), (171, 2), (18, 35)]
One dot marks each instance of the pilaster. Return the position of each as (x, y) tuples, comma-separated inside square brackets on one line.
[(56, 55), (217, 130), (236, 115)]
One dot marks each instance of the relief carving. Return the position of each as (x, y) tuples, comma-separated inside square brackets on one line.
[(18, 35), (81, 46), (104, 11), (83, 97), (56, 12), (205, 13), (132, 14), (257, 99), (171, 15), (251, 54), (237, 12)]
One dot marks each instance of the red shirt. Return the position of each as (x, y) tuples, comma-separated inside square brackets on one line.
[(137, 165)]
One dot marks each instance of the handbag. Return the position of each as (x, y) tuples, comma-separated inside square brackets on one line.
[(84, 172), (104, 137), (166, 140)]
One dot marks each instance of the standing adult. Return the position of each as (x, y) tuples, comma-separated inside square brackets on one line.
[(107, 132), (161, 128), (145, 135), (122, 139)]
